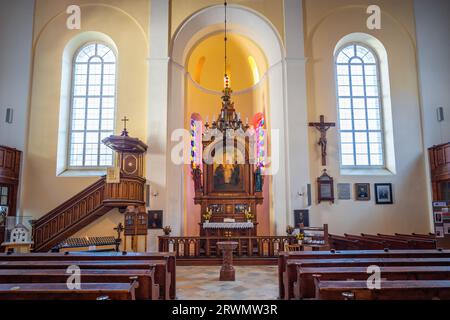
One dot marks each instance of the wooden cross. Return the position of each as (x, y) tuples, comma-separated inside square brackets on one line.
[(323, 127), (125, 120)]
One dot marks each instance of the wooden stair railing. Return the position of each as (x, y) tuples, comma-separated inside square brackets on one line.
[(84, 208)]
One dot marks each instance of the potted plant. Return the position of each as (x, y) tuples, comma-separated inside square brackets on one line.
[(290, 230), (167, 230)]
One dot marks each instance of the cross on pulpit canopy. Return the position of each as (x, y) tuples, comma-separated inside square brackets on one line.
[(323, 127), (125, 120)]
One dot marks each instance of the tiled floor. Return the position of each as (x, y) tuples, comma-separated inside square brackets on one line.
[(252, 283)]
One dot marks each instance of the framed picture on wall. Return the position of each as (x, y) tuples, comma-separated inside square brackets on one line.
[(155, 219), (383, 193), (362, 191), (344, 192)]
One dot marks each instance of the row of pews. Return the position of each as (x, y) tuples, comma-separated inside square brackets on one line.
[(104, 276), (382, 241), (343, 275)]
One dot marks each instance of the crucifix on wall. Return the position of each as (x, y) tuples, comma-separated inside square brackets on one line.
[(323, 127)]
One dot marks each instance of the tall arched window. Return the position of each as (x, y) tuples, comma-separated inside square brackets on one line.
[(359, 104), (93, 106)]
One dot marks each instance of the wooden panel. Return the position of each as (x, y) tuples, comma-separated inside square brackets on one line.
[(9, 175), (440, 168)]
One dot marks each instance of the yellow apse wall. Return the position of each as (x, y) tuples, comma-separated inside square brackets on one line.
[(327, 22)]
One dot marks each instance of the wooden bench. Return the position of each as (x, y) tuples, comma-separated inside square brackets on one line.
[(289, 276), (304, 286), (390, 290), (291, 273), (58, 291), (162, 276), (110, 256), (146, 290)]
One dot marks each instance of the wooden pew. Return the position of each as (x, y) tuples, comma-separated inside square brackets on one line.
[(162, 277), (108, 256), (289, 276), (369, 244), (390, 242), (390, 290), (413, 241), (291, 272), (304, 286), (146, 290), (351, 243), (58, 291)]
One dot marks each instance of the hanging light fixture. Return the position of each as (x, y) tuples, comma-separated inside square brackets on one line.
[(228, 122)]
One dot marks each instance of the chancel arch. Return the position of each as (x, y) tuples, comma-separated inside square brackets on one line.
[(243, 22)]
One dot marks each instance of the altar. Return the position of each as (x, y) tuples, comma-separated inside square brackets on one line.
[(229, 229)]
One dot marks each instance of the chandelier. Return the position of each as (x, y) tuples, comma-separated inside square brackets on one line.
[(228, 122)]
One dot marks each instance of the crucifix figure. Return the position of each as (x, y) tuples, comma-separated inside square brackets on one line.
[(125, 132), (323, 127)]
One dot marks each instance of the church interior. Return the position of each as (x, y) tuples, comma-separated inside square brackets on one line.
[(224, 150)]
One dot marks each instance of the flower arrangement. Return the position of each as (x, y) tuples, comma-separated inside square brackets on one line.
[(248, 216), (207, 216), (300, 236), (167, 230), (290, 230)]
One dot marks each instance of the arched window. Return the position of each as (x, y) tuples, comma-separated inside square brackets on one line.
[(360, 107), (92, 106)]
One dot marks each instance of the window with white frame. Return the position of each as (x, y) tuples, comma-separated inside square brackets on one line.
[(93, 106), (359, 105)]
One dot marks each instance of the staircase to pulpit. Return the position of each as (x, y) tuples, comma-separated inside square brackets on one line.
[(126, 189)]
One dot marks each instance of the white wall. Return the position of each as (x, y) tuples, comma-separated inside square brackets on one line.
[(16, 32), (433, 53)]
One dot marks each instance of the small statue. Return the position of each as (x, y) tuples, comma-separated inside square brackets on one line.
[(119, 229), (259, 180), (197, 176)]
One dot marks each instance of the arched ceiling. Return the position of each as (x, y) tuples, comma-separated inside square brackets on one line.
[(205, 63)]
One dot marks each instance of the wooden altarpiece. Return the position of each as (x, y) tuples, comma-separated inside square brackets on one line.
[(228, 190)]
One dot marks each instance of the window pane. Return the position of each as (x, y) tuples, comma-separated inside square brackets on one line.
[(370, 70), (360, 125), (376, 159), (375, 148), (372, 91), (359, 103), (359, 107), (360, 137), (345, 114), (344, 103), (356, 70), (374, 125), (361, 148), (347, 137), (347, 148), (362, 160), (344, 91), (359, 114), (358, 91), (92, 111), (357, 80), (346, 125), (348, 160)]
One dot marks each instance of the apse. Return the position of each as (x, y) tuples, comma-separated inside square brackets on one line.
[(246, 68)]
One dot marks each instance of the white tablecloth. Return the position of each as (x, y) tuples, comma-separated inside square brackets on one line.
[(228, 225)]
